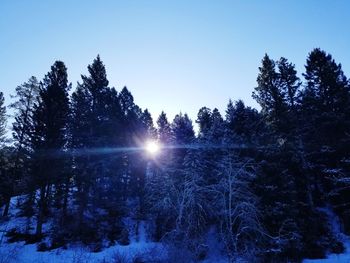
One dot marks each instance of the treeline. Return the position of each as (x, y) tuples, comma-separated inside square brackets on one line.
[(265, 181)]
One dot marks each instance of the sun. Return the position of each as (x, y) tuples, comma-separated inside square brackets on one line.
[(152, 147)]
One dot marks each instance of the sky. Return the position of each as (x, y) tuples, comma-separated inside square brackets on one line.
[(172, 55)]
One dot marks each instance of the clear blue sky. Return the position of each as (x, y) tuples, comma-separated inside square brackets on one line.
[(173, 55)]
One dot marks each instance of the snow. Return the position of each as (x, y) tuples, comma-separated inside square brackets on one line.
[(140, 245), (20, 252)]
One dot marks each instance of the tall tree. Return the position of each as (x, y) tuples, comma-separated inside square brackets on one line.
[(97, 135), (50, 133), (164, 129), (79, 144), (204, 121), (326, 126), (276, 93), (288, 81), (326, 97), (26, 96), (244, 124), (182, 129)]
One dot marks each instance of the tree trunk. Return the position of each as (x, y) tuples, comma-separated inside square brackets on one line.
[(39, 224), (7, 206), (65, 200), (82, 204)]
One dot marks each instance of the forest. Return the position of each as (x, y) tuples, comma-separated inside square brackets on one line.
[(267, 182)]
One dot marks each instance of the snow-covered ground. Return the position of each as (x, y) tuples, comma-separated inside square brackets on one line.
[(140, 246), (20, 252)]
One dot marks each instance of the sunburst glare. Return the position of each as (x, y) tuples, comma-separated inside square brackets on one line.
[(152, 147)]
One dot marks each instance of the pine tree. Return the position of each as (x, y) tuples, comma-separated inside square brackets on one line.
[(165, 137), (182, 129), (79, 144), (211, 145), (96, 84), (325, 98), (164, 129), (147, 121), (26, 97), (183, 138), (98, 132), (326, 125), (244, 124), (276, 93), (270, 95), (289, 82), (204, 121), (50, 127)]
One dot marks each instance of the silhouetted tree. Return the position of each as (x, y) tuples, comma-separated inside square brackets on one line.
[(50, 126)]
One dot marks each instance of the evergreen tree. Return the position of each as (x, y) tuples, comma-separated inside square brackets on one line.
[(183, 139), (325, 98), (50, 138), (274, 90), (210, 143), (289, 82), (217, 130), (164, 129), (204, 121), (147, 121), (79, 144), (244, 124), (326, 125), (26, 97), (97, 134), (182, 129)]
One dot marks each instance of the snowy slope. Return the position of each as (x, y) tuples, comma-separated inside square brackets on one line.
[(20, 253), (140, 246)]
